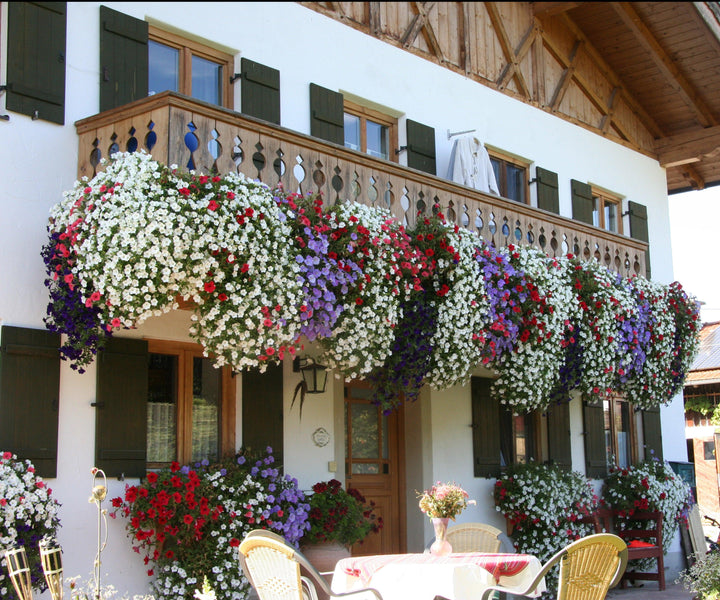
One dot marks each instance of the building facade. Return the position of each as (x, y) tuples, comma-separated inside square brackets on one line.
[(289, 92)]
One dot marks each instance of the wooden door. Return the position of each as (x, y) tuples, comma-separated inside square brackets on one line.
[(374, 465)]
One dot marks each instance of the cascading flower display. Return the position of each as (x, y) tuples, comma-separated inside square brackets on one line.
[(267, 270), (189, 521), (531, 370), (28, 513)]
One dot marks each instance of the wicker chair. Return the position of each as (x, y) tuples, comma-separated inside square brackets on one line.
[(474, 537), (589, 567), (273, 568)]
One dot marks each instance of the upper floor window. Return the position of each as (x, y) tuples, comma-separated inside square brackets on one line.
[(607, 211), (511, 176), (188, 67), (369, 131)]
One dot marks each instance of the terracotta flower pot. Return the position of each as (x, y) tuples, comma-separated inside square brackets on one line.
[(324, 556)]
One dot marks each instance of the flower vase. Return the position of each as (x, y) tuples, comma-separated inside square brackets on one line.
[(440, 547)]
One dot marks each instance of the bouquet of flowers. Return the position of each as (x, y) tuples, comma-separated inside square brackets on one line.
[(338, 515), (28, 513), (444, 500)]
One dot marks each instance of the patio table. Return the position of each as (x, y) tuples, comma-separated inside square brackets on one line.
[(459, 576)]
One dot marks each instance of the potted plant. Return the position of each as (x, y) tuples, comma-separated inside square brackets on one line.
[(338, 519)]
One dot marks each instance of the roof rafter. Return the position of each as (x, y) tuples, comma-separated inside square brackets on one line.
[(667, 66), (687, 147)]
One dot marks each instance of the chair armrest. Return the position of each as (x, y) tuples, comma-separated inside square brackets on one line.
[(343, 594)]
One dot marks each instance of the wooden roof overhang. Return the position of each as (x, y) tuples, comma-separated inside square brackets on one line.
[(644, 74)]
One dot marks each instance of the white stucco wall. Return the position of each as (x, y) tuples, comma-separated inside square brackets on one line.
[(39, 162)]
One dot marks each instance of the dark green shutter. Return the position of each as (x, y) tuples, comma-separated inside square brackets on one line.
[(260, 91), (559, 448), (594, 423), (123, 59), (29, 396), (639, 229), (582, 201), (262, 410), (421, 147), (36, 59), (486, 429), (327, 114), (547, 190), (121, 408), (652, 434)]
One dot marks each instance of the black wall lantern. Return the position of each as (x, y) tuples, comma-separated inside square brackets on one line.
[(314, 374)]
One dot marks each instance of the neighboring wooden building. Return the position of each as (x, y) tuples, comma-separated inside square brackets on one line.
[(702, 396), (592, 113)]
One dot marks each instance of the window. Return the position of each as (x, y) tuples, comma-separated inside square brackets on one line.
[(187, 401), (369, 131), (518, 437), (607, 211), (188, 67), (511, 176), (501, 438), (620, 431)]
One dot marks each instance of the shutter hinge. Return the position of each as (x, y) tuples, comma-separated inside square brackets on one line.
[(97, 404), (234, 77), (400, 149)]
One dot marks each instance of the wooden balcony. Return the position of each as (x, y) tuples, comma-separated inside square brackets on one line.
[(178, 130)]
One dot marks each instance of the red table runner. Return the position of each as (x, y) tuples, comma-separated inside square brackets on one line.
[(499, 565)]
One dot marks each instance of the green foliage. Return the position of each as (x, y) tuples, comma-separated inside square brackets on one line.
[(700, 404), (338, 515), (703, 578)]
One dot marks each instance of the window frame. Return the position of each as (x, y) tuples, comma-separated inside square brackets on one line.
[(186, 351), (364, 114), (601, 198), (187, 48), (506, 159)]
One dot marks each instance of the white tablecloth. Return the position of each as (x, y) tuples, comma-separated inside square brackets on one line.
[(423, 576)]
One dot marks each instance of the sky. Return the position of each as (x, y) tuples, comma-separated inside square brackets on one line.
[(695, 239)]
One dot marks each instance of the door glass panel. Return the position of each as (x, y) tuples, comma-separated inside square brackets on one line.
[(162, 408), (364, 448), (377, 140), (206, 80), (352, 132), (163, 68), (207, 386)]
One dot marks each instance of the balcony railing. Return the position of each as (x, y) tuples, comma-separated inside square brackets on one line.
[(179, 130)]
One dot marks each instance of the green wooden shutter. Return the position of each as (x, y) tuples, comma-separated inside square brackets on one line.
[(639, 229), (327, 114), (652, 434), (123, 58), (36, 59), (486, 429), (262, 410), (29, 396), (421, 147), (260, 91), (582, 201), (595, 459), (547, 190), (121, 408), (559, 447)]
